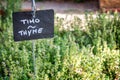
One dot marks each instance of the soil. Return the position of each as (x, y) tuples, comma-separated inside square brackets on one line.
[(65, 7)]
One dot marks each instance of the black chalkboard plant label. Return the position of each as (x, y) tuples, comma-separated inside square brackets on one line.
[(25, 27)]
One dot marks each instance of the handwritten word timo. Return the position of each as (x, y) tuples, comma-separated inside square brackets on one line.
[(30, 21)]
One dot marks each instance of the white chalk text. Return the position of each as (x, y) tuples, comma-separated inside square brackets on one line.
[(30, 30)]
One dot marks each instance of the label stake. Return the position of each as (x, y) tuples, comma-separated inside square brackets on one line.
[(34, 60), (33, 42)]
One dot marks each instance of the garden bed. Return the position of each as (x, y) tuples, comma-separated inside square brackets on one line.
[(78, 54)]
